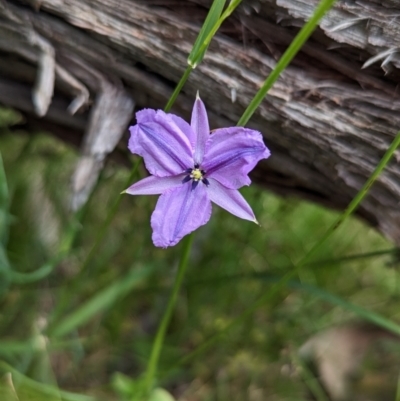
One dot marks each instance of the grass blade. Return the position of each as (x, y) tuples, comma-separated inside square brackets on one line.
[(5, 267), (195, 57), (100, 302), (197, 53), (4, 203), (279, 283), (45, 389), (287, 57), (355, 202), (365, 314)]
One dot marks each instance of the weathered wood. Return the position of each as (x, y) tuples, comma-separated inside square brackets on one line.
[(327, 120)]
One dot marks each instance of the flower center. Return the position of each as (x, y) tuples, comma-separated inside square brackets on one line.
[(196, 175)]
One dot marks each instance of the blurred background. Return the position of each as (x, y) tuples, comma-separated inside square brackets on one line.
[(83, 321)]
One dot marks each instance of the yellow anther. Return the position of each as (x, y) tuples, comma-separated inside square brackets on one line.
[(196, 174)]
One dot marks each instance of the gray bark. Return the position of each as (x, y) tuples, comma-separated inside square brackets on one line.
[(82, 65)]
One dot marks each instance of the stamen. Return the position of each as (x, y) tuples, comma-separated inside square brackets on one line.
[(194, 184), (196, 175)]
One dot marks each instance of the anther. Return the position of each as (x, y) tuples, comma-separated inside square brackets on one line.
[(194, 184)]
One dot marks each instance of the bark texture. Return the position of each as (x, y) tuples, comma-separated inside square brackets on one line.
[(79, 68)]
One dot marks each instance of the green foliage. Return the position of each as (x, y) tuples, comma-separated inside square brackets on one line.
[(83, 297), (4, 223), (197, 53), (102, 320), (132, 390), (105, 299)]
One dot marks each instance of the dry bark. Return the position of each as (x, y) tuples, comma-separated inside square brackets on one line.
[(82, 65)]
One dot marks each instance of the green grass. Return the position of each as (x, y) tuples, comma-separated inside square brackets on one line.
[(93, 332)]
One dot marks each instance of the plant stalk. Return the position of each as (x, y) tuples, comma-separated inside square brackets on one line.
[(162, 328)]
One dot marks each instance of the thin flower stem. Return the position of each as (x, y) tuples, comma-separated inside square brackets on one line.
[(398, 389), (178, 88), (229, 10), (162, 328), (354, 203), (197, 57), (287, 57)]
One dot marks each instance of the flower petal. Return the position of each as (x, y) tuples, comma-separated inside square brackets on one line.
[(154, 185), (199, 124), (164, 146), (231, 153), (185, 128), (230, 200), (150, 115), (178, 212)]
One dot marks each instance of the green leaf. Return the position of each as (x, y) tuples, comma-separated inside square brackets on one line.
[(279, 283), (159, 394), (212, 17), (4, 270), (4, 203), (201, 45), (365, 314), (9, 348), (100, 302), (31, 388), (39, 274), (135, 389), (123, 385), (4, 221)]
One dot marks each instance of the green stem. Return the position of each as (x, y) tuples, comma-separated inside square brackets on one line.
[(354, 203), (398, 389), (287, 57), (178, 88), (48, 391), (199, 54), (355, 257), (159, 339)]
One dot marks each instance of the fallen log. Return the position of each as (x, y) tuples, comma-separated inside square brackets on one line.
[(79, 68)]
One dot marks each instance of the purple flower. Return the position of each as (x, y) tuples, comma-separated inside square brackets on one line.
[(191, 168)]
